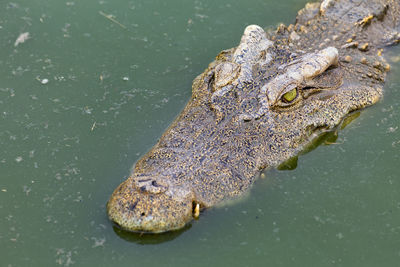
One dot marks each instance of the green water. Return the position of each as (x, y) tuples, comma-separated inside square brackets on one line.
[(113, 88)]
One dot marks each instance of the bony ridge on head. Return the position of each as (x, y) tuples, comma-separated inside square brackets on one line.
[(282, 89)]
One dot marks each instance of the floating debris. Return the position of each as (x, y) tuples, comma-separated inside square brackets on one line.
[(98, 242), (125, 78), (44, 81), (22, 38), (112, 18)]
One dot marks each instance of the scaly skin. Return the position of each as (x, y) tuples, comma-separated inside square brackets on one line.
[(258, 105)]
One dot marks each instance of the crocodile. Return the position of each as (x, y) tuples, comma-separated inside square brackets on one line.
[(258, 105)]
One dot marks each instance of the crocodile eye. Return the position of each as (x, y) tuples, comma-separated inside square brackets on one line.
[(290, 96)]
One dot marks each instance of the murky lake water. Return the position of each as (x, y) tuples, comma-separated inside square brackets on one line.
[(88, 94)]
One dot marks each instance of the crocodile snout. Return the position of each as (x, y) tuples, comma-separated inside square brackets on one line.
[(145, 205)]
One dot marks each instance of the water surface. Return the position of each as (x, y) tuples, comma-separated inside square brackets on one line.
[(95, 86)]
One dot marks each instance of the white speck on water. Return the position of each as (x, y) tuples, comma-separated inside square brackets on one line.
[(59, 78), (87, 110), (26, 189), (125, 78), (201, 16), (98, 242), (44, 81), (58, 176), (392, 129), (318, 219), (64, 257), (22, 38), (395, 143), (18, 159), (78, 199)]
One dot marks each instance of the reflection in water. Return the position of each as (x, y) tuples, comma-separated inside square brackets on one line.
[(289, 165), (149, 238), (325, 138)]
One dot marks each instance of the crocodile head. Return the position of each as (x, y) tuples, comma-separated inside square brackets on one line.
[(254, 107)]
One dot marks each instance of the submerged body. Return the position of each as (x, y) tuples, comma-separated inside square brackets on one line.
[(256, 106)]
